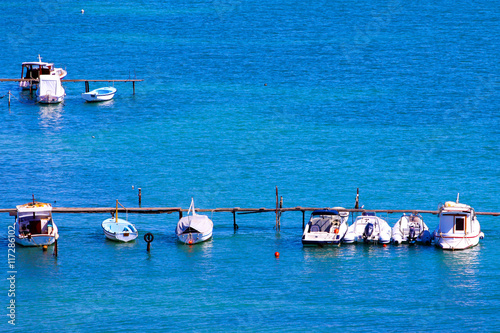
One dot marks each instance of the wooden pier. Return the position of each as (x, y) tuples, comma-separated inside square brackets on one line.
[(234, 211), (87, 85)]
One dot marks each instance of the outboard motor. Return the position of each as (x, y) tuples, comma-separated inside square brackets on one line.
[(412, 238), (368, 231)]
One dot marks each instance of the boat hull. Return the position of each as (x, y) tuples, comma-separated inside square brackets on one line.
[(115, 230), (99, 95), (194, 238), (47, 99), (453, 243), (35, 240)]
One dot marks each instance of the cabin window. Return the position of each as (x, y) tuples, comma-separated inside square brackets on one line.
[(459, 223)]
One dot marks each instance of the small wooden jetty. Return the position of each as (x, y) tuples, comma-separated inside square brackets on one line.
[(234, 211), (87, 84)]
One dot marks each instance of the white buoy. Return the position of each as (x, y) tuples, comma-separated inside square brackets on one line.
[(83, 11)]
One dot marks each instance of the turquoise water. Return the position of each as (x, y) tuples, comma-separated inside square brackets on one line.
[(399, 99)]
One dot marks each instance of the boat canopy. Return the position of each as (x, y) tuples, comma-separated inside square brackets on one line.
[(197, 223), (37, 63), (38, 214), (325, 212), (49, 85)]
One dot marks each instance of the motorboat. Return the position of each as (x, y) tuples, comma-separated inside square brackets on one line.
[(99, 94), (34, 224), (411, 229), (368, 228), (50, 90), (194, 228), (33, 70), (119, 230), (458, 227), (325, 227)]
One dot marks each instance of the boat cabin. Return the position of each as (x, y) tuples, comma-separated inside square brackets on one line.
[(33, 70), (456, 219), (34, 223)]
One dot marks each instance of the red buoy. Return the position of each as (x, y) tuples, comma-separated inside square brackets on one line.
[(277, 254), (385, 245), (190, 242)]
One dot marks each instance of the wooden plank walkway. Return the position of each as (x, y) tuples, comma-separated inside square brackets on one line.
[(169, 210)]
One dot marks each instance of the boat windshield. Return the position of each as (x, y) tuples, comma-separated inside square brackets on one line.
[(321, 224)]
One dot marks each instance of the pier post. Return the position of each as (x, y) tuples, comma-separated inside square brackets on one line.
[(55, 248), (303, 219), (9, 98), (356, 205), (87, 87), (140, 196), (133, 87), (277, 207), (235, 226)]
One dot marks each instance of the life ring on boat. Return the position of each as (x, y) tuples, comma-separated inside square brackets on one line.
[(148, 238)]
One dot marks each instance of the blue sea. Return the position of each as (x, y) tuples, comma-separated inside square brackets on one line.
[(397, 98)]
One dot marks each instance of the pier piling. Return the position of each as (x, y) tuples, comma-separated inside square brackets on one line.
[(140, 196)]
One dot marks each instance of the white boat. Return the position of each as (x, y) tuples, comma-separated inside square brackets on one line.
[(99, 94), (325, 227), (368, 228), (33, 70), (411, 229), (34, 224), (458, 227), (119, 230), (194, 228), (50, 90)]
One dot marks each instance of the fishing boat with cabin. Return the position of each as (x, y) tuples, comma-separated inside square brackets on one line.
[(33, 70), (34, 224), (458, 227)]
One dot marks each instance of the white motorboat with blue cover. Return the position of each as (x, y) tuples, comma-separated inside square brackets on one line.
[(119, 230), (368, 228), (411, 229), (99, 94), (32, 71), (325, 227), (458, 227), (194, 228), (34, 224)]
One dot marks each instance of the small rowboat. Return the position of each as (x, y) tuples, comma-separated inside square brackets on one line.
[(99, 94), (118, 229)]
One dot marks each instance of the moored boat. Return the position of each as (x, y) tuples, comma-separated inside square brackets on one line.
[(119, 230), (194, 228), (99, 94), (33, 70), (34, 224), (325, 227), (411, 229), (368, 228), (458, 227), (50, 90)]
